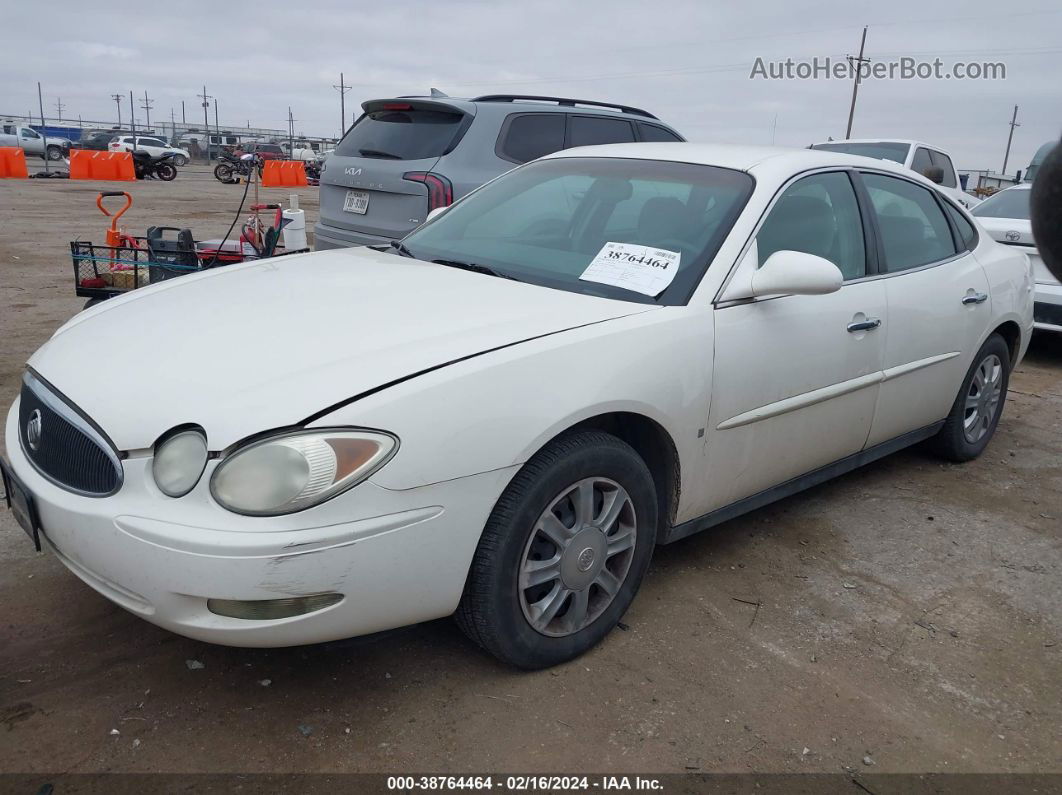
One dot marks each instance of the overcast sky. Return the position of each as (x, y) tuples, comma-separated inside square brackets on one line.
[(687, 61)]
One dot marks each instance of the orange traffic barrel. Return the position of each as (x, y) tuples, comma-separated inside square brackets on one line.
[(85, 164), (283, 174), (12, 163)]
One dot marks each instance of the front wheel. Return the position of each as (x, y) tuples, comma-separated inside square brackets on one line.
[(978, 406), (180, 160), (563, 552), (165, 171), (55, 153), (223, 172)]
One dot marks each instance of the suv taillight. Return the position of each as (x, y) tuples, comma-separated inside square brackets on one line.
[(440, 190)]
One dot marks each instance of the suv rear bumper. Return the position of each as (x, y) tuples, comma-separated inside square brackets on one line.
[(326, 237)]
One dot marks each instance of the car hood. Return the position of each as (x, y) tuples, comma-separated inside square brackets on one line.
[(247, 348)]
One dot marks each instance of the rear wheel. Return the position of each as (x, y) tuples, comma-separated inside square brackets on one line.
[(978, 406), (563, 552), (223, 172), (165, 171)]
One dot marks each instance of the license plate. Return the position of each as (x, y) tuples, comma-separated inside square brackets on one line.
[(357, 201), (20, 501)]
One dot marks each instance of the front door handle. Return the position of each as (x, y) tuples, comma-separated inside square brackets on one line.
[(975, 298), (864, 325)]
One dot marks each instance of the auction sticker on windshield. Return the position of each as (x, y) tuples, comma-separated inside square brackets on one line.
[(642, 269)]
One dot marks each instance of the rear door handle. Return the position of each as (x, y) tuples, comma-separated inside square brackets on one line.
[(864, 325), (975, 298)]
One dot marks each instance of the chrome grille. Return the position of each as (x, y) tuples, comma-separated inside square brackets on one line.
[(63, 445)]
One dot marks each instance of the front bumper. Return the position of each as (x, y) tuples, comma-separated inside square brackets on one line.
[(397, 557), (1047, 309)]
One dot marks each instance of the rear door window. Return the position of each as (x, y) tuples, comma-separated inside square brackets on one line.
[(407, 134), (592, 130), (532, 135), (914, 231), (650, 132), (966, 229)]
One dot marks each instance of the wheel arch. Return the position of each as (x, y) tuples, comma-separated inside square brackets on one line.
[(655, 446), (1010, 331)]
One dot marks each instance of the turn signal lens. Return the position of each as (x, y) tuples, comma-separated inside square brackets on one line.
[(295, 471), (179, 463)]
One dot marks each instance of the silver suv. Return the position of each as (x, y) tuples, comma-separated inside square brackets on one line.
[(406, 156)]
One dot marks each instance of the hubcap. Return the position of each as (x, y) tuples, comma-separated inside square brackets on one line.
[(982, 399), (577, 557)]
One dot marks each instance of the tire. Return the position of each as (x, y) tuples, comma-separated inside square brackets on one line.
[(223, 172), (180, 161), (55, 153), (572, 608), (166, 172), (975, 413)]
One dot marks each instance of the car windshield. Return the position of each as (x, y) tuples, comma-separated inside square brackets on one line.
[(880, 150), (1005, 204), (400, 132), (547, 221)]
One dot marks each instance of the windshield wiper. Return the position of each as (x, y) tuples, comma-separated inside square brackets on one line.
[(474, 267), (400, 247), (378, 153)]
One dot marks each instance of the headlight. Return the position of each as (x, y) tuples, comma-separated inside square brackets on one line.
[(179, 463), (294, 471)]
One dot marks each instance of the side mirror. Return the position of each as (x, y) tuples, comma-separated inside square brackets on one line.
[(796, 273), (934, 174), (435, 213)]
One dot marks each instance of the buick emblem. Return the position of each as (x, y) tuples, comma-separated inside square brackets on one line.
[(1013, 236), (33, 430)]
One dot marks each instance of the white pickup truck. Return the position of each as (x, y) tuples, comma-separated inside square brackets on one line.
[(12, 134), (931, 162)]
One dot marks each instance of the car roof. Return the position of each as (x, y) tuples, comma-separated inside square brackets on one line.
[(517, 102), (739, 157), (905, 141)]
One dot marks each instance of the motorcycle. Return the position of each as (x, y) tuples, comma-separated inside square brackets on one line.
[(146, 166), (231, 166)]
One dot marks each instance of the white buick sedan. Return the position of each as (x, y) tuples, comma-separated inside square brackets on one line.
[(601, 351)]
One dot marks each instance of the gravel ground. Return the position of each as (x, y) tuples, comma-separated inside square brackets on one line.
[(906, 617)]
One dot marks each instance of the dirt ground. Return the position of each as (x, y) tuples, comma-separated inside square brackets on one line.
[(909, 615)]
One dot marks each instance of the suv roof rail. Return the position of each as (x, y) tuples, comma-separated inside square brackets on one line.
[(566, 101)]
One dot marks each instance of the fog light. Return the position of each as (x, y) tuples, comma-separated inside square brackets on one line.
[(268, 609)]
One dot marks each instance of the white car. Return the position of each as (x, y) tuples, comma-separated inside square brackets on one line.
[(155, 147), (930, 161), (1005, 216), (600, 351)]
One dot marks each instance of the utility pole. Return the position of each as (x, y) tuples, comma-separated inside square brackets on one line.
[(291, 134), (1013, 123), (118, 101), (184, 120), (342, 89), (146, 105), (858, 63), (173, 125), (206, 119), (59, 107), (44, 129)]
